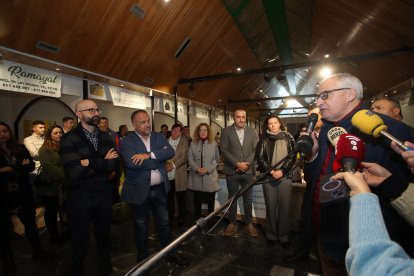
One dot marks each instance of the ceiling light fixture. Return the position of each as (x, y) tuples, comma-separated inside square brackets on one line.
[(327, 55), (325, 72), (238, 68)]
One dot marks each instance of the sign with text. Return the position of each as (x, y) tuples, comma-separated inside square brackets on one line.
[(127, 98), (27, 79)]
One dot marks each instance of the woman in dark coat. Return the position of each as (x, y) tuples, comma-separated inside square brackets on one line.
[(275, 144), (16, 196)]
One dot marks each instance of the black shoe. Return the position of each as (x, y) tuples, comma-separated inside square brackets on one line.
[(296, 257), (42, 255), (285, 245), (271, 242), (178, 259)]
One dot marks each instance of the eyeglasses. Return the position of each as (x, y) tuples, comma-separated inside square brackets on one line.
[(324, 94), (92, 110)]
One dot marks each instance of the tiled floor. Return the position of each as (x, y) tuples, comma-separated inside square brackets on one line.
[(212, 254)]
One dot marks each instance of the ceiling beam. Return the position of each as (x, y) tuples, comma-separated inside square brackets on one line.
[(306, 64), (271, 98)]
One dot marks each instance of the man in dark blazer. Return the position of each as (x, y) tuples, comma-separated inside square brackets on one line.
[(146, 184), (88, 158), (237, 147)]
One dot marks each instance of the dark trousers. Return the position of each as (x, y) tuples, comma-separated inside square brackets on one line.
[(203, 197), (171, 201), (157, 203), (234, 183), (84, 210), (181, 202), (51, 204)]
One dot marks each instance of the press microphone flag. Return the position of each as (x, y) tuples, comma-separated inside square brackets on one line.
[(350, 152), (371, 124), (334, 134)]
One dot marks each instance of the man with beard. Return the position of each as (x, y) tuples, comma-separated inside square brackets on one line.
[(89, 158)]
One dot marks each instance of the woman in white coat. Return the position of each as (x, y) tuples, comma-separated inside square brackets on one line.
[(203, 157)]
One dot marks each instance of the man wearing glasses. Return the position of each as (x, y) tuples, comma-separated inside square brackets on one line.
[(88, 157), (339, 97)]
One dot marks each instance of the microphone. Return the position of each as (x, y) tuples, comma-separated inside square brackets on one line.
[(370, 123), (334, 133), (350, 151), (305, 142)]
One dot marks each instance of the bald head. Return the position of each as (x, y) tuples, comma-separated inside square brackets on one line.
[(88, 113)]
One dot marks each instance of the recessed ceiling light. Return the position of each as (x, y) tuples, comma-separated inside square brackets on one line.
[(57, 69), (326, 55), (238, 68), (122, 85)]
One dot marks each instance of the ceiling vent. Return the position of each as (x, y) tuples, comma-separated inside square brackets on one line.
[(149, 80), (183, 47), (137, 11), (47, 47)]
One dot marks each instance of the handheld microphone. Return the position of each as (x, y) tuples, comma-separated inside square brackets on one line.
[(305, 142), (370, 123), (350, 151)]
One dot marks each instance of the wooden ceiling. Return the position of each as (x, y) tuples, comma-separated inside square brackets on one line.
[(104, 37)]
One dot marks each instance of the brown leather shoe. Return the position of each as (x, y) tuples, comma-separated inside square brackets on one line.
[(230, 230), (251, 230)]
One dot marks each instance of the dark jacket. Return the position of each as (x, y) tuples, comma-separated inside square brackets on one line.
[(265, 148), (75, 146), (334, 217), (20, 176)]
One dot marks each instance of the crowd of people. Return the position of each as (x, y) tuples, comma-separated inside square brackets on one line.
[(76, 172)]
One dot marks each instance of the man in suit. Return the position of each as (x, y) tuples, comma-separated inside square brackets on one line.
[(237, 147), (146, 184), (88, 158)]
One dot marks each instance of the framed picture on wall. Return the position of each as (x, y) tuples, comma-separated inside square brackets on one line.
[(96, 91)]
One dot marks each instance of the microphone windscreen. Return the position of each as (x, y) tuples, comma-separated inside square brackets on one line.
[(368, 122), (334, 133), (350, 147)]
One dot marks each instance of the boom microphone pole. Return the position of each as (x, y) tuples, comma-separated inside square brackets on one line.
[(201, 223)]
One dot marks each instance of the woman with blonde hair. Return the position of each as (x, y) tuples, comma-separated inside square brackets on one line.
[(203, 157)]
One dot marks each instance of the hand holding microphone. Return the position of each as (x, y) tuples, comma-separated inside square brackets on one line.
[(307, 142), (355, 182), (371, 124), (407, 155)]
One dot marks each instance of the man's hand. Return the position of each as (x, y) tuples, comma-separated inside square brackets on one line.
[(169, 166), (6, 169), (374, 174), (138, 158), (242, 166), (407, 155), (84, 162)]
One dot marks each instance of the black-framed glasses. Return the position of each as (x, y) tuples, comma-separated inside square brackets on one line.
[(324, 94), (92, 110)]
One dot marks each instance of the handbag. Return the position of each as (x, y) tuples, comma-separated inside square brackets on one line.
[(42, 178)]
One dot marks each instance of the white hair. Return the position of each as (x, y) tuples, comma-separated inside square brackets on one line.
[(348, 80)]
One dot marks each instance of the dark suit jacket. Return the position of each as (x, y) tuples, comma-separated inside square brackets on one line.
[(233, 152), (137, 177)]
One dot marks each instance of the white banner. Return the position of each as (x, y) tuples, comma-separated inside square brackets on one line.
[(201, 113), (259, 206), (127, 98), (219, 115), (27, 79)]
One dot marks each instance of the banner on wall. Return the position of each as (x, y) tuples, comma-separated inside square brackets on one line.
[(27, 79), (96, 91), (201, 113), (219, 116), (168, 107), (127, 98)]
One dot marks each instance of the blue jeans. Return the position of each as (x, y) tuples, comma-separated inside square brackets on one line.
[(157, 202), (233, 183)]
